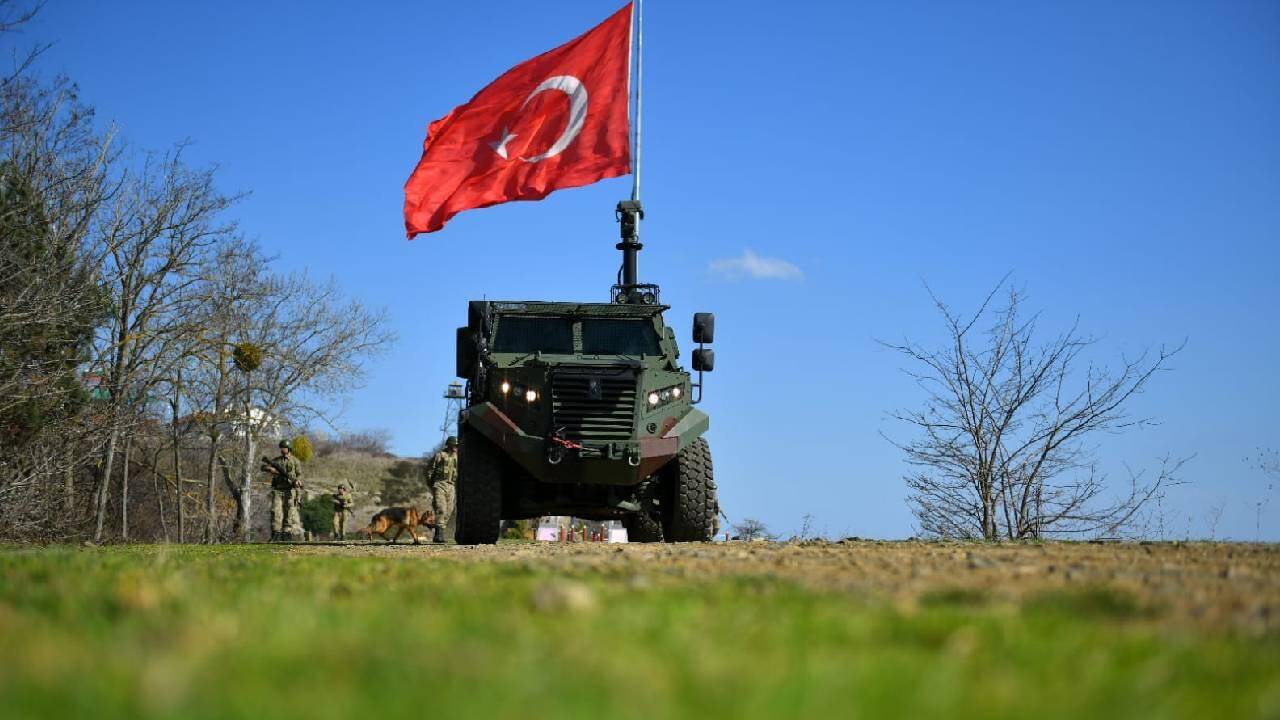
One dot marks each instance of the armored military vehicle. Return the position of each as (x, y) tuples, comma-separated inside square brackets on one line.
[(583, 409)]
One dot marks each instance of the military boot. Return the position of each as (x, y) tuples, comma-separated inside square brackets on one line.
[(438, 536)]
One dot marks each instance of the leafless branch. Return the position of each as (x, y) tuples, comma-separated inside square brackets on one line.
[(1003, 445)]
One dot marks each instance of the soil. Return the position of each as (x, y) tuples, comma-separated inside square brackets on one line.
[(1207, 585)]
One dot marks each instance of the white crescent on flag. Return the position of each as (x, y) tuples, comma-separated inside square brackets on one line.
[(571, 86)]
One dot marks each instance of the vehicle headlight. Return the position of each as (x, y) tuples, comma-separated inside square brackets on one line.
[(506, 387), (531, 395), (662, 396)]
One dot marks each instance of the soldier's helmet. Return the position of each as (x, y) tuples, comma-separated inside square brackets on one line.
[(451, 442), (285, 444)]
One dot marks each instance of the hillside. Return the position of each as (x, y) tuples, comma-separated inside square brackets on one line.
[(376, 481)]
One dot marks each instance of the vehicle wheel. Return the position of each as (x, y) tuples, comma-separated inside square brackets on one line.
[(690, 511), (642, 527), (479, 489)]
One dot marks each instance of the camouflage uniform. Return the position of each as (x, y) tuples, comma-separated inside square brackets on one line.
[(442, 474), (342, 504), (286, 498)]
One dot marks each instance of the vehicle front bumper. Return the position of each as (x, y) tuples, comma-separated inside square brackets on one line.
[(611, 462)]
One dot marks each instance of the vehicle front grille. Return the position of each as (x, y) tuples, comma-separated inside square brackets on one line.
[(603, 412)]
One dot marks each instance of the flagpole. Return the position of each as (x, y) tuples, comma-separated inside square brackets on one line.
[(628, 211), (639, 22)]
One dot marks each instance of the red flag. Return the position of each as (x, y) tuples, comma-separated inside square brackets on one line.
[(556, 121)]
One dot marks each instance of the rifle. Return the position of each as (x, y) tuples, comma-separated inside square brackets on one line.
[(271, 466), (348, 508)]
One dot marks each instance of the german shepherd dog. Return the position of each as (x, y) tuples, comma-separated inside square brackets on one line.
[(399, 519)]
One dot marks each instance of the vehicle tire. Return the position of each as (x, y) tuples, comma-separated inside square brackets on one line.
[(690, 511), (479, 489), (643, 527)]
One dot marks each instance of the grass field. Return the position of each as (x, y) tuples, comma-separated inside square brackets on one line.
[(734, 630)]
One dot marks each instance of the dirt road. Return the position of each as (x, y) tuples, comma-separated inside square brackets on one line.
[(1207, 585)]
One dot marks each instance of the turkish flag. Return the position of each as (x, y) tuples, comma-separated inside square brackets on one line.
[(559, 120)]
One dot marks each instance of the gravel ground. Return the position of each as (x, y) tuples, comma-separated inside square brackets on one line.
[(1213, 586)]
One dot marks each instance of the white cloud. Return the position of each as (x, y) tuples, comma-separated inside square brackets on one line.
[(755, 267)]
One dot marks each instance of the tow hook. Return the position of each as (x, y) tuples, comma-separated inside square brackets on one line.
[(557, 444)]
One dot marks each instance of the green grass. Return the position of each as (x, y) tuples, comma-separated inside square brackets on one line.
[(261, 632)]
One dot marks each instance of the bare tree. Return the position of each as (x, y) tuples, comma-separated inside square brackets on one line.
[(1004, 447), (54, 178), (806, 531), (315, 344), (154, 234), (1268, 461), (752, 529), (374, 442), (13, 16), (170, 386), (1213, 515), (233, 281), (119, 282)]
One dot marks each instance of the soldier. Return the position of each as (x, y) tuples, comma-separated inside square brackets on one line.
[(286, 491), (342, 504), (442, 473)]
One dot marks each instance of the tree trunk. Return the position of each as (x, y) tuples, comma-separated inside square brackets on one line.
[(69, 491), (215, 434), (1038, 522), (211, 508), (234, 490), (178, 501), (242, 507), (177, 459), (105, 485), (155, 480), (124, 491), (243, 515), (117, 387), (990, 530)]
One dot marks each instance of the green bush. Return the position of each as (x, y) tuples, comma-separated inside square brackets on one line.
[(317, 515)]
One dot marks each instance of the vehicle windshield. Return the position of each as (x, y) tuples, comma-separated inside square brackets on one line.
[(517, 334), (619, 337)]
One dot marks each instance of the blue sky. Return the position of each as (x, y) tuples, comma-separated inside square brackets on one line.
[(1121, 160)]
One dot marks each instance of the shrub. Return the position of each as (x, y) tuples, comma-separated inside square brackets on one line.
[(302, 448), (317, 515)]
